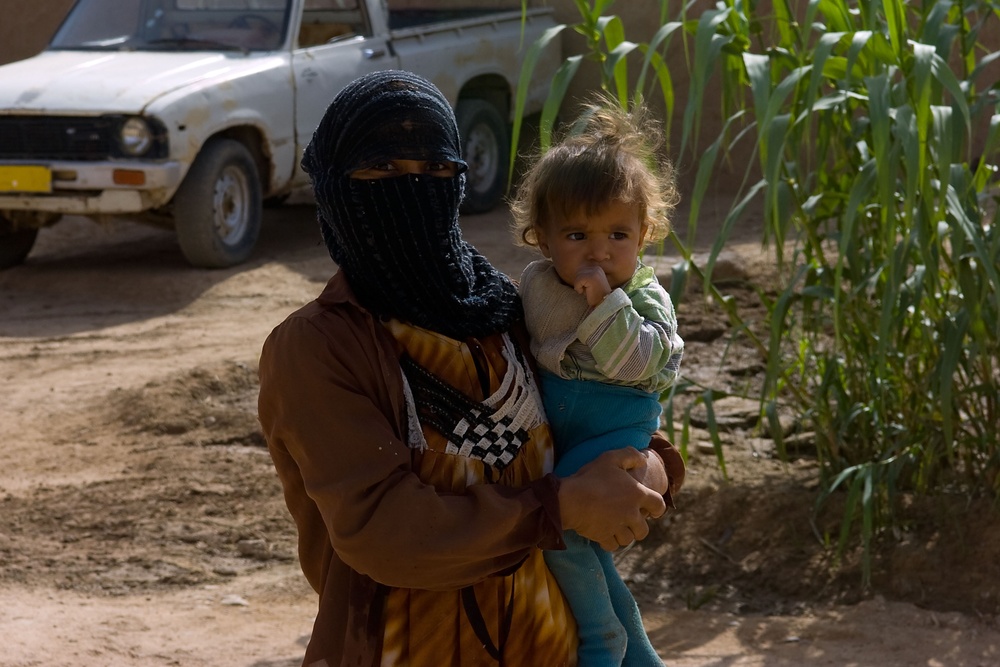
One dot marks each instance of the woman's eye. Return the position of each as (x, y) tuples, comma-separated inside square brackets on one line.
[(445, 168), (383, 166)]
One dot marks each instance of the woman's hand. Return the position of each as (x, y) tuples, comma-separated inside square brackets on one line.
[(604, 502)]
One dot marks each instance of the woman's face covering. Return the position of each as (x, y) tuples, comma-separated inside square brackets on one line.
[(391, 168)]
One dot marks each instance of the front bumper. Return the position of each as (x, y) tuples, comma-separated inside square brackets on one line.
[(90, 188)]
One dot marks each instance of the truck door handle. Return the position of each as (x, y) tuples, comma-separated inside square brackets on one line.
[(371, 54)]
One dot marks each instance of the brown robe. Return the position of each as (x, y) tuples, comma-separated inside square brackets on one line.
[(384, 526)]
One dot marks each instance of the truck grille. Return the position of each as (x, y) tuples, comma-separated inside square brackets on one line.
[(33, 138)]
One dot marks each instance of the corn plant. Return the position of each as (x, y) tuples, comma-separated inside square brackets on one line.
[(607, 49), (875, 130), (874, 164)]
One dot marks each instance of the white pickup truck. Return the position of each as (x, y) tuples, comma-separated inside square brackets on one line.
[(192, 114)]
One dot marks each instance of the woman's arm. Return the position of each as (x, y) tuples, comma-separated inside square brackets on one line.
[(334, 427)]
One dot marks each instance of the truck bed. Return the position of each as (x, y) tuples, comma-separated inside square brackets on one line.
[(400, 19)]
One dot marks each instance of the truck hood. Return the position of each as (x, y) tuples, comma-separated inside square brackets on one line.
[(123, 81)]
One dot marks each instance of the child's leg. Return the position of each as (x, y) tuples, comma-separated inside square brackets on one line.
[(582, 580), (639, 651)]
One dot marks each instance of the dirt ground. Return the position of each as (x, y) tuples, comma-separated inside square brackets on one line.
[(141, 522)]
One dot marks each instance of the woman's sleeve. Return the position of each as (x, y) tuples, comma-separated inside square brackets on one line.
[(347, 472)]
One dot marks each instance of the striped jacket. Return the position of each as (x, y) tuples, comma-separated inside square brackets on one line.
[(629, 339)]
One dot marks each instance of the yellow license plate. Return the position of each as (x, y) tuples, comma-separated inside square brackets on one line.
[(25, 179)]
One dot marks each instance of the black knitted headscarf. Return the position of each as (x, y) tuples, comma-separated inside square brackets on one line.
[(397, 239)]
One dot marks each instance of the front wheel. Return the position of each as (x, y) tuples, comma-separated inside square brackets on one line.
[(217, 210), (483, 133), (15, 242)]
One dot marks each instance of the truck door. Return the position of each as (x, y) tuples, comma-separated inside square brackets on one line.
[(335, 45)]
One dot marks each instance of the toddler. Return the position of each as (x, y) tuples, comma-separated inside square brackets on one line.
[(604, 334)]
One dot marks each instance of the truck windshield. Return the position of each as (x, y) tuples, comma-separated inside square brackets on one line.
[(174, 25)]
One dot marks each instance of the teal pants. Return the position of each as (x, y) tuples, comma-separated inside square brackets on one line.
[(588, 419)]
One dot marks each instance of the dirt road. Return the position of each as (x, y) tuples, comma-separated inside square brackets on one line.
[(141, 523)]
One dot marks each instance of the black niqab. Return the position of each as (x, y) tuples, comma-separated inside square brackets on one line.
[(398, 239)]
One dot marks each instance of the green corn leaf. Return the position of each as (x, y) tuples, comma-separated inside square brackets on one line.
[(661, 39), (615, 69), (908, 137), (758, 69), (923, 57), (858, 42), (557, 92), (706, 166), (837, 14), (868, 525), (851, 506), (726, 230), (665, 81), (860, 189), (778, 317), (895, 17), (935, 28), (955, 333), (943, 127), (713, 431), (524, 80), (947, 78), (612, 30), (983, 63), (654, 60), (679, 277), (775, 429), (784, 19), (601, 6), (708, 45), (824, 48), (974, 235)]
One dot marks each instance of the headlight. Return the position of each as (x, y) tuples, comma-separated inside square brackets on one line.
[(135, 137)]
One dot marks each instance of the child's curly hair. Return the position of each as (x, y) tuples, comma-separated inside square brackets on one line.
[(609, 154)]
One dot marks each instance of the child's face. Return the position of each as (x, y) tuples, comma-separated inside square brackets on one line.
[(610, 239)]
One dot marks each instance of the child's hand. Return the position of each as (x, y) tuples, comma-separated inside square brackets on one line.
[(593, 284)]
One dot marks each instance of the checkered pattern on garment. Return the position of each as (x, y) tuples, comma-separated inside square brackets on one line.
[(492, 431), (494, 443)]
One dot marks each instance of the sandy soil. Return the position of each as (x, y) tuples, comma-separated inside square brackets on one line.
[(141, 522)]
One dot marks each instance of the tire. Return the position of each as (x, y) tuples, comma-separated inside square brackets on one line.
[(217, 210), (485, 146), (15, 243)]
